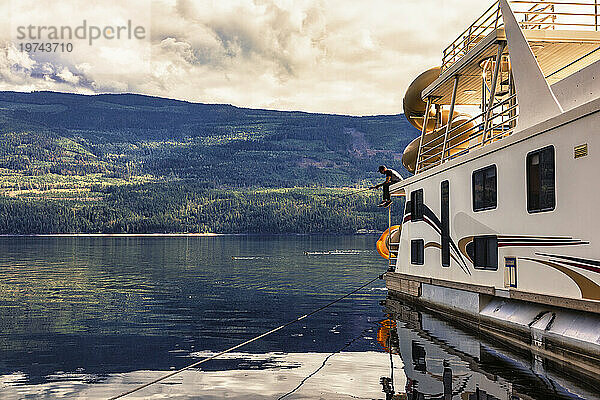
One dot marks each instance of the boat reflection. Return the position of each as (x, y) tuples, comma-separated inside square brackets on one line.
[(442, 361)]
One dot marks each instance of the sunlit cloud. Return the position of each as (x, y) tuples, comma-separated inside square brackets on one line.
[(346, 57)]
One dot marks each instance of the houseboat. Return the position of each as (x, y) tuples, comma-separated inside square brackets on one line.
[(501, 225)]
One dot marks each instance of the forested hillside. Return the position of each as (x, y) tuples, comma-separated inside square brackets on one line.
[(168, 208), (74, 163)]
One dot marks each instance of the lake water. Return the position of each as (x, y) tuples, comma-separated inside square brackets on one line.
[(92, 317)]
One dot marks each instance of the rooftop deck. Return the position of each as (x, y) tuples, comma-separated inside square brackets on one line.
[(564, 36), (559, 53), (579, 15)]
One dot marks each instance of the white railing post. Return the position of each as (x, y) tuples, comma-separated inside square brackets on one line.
[(501, 47), (423, 131), (513, 101), (450, 117), (596, 14)]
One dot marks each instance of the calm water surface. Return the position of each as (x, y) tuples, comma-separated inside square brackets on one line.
[(90, 317)]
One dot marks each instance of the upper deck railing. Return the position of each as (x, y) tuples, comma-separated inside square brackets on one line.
[(531, 14), (491, 125)]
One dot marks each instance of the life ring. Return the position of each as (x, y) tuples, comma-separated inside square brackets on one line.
[(383, 244)]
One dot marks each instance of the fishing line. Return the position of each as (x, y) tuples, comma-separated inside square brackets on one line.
[(355, 192), (138, 388), (348, 344), (391, 363)]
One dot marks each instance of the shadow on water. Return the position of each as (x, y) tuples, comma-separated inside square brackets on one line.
[(442, 361)]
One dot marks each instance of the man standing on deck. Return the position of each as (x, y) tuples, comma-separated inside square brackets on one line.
[(391, 177)]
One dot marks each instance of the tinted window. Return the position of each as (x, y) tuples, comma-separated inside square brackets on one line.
[(540, 180), (419, 357), (445, 200), (485, 252), (417, 251), (484, 188), (416, 204)]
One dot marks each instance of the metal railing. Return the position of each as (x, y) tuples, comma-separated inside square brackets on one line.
[(470, 134), (539, 14), (531, 14), (478, 30), (499, 116)]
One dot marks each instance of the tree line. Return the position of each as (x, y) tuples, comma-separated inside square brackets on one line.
[(188, 207)]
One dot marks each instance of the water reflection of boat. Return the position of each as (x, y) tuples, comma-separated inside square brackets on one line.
[(442, 361)]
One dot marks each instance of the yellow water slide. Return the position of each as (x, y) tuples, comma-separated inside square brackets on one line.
[(414, 110), (387, 245)]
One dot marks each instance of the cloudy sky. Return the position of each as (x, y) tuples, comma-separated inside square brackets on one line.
[(334, 56)]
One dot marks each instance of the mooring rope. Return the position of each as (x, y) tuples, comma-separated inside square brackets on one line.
[(303, 381), (138, 388)]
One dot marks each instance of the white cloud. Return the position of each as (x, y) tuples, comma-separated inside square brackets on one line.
[(67, 76), (348, 57)]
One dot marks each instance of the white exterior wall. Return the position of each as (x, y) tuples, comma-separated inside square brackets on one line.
[(576, 215)]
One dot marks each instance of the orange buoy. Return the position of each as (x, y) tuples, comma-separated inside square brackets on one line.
[(391, 235)]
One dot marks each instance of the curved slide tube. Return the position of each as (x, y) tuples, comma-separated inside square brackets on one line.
[(392, 235), (414, 110)]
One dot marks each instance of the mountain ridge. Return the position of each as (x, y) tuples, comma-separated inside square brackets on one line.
[(154, 135), (147, 96)]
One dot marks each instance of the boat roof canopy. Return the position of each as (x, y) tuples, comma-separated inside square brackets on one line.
[(561, 48)]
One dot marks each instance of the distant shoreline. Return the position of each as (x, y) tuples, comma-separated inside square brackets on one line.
[(124, 235), (121, 234)]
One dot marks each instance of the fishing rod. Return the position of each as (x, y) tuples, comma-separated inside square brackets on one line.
[(356, 192)]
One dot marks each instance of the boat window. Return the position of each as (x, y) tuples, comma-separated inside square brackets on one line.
[(540, 180), (485, 189), (445, 215), (419, 356), (417, 251), (485, 254), (416, 205)]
